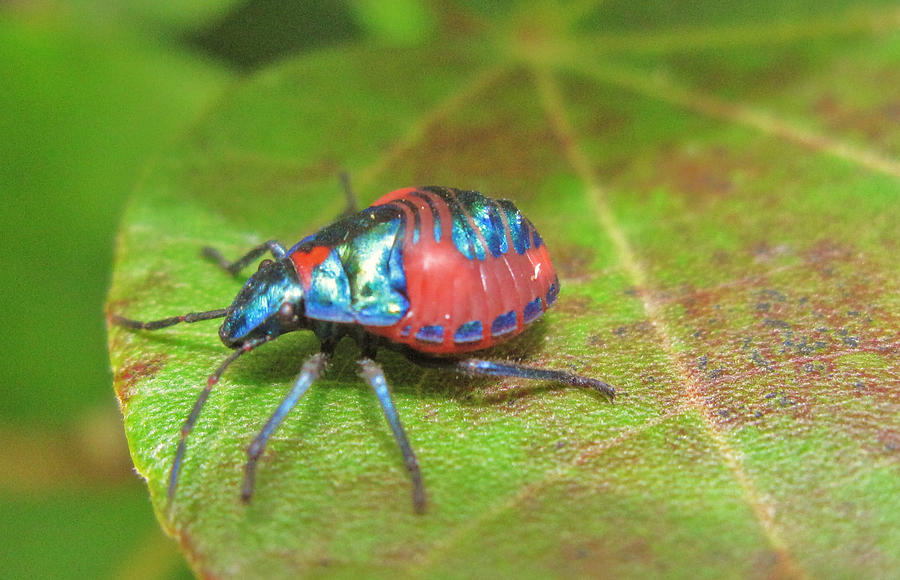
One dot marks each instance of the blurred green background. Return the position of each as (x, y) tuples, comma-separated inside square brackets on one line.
[(91, 90)]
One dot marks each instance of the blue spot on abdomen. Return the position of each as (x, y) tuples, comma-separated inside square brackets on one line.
[(552, 293), (504, 324), (472, 331), (434, 333), (532, 310)]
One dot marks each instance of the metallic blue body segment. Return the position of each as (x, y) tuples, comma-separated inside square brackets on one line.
[(252, 314), (373, 262), (471, 331), (434, 333), (489, 222), (486, 219), (464, 237), (362, 279), (311, 238), (532, 310), (329, 292), (478, 222), (518, 226), (504, 323)]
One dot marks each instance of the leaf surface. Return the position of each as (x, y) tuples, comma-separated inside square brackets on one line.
[(720, 194)]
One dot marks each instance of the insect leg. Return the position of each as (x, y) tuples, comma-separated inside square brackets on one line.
[(474, 366), (198, 406), (312, 368), (234, 268), (375, 377), (352, 204)]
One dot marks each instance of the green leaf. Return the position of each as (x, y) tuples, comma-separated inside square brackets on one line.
[(719, 190)]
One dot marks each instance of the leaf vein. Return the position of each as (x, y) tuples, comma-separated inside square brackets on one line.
[(762, 506)]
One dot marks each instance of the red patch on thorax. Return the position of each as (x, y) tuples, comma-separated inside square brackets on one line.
[(306, 261)]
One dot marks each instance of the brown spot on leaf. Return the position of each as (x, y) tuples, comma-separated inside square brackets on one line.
[(889, 440), (824, 252), (776, 343), (127, 377), (698, 173), (500, 148), (603, 119), (573, 305), (505, 144), (573, 263), (876, 125)]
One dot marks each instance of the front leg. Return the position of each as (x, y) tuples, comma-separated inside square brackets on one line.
[(234, 268), (375, 377), (312, 368)]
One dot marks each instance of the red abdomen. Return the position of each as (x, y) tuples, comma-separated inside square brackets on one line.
[(477, 271)]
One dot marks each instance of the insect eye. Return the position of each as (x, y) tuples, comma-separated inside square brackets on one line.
[(286, 312), (265, 263)]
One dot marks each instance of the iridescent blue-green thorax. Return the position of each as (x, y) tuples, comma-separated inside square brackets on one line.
[(349, 273)]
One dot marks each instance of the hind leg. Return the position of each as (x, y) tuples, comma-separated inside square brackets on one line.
[(474, 366)]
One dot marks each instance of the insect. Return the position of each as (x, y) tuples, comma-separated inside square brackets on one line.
[(433, 272)]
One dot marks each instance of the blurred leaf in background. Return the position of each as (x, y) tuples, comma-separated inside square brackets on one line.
[(718, 183), (89, 95)]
